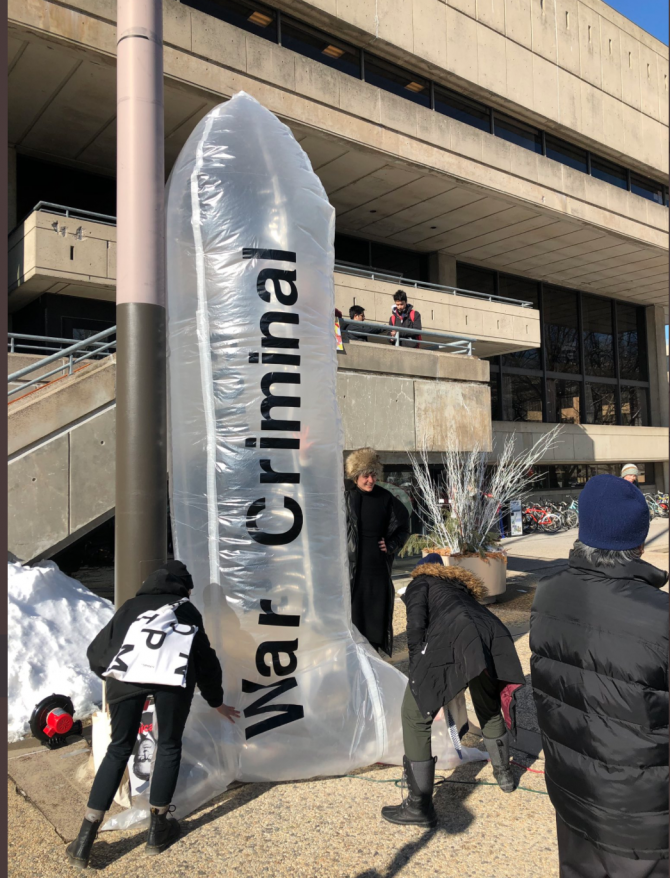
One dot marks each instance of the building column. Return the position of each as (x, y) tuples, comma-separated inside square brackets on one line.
[(658, 382), (11, 188), (658, 366), (442, 269)]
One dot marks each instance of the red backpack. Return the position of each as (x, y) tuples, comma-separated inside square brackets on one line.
[(411, 317)]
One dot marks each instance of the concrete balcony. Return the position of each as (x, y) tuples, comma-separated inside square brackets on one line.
[(54, 253), (75, 255), (498, 327)]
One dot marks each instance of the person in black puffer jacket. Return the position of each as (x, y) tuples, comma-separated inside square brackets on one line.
[(599, 670), (110, 656), (453, 642)]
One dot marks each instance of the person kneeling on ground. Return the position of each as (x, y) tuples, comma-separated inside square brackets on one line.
[(599, 671), (453, 642), (138, 653)]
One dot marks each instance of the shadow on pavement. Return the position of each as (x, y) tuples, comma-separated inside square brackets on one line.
[(105, 853), (453, 817)]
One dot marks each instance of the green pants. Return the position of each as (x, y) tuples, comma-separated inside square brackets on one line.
[(416, 727)]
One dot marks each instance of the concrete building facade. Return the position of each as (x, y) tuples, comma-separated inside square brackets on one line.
[(505, 163)]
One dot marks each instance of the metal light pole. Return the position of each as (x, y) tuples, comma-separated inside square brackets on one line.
[(141, 458)]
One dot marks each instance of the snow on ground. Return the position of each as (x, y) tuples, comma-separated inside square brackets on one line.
[(52, 620)]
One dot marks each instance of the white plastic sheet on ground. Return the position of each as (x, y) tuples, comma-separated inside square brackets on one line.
[(256, 469), (52, 620)]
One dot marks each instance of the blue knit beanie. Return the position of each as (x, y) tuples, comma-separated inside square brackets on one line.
[(613, 514), (433, 558)]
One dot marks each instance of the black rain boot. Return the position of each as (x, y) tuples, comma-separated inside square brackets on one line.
[(79, 850), (498, 750), (163, 830), (417, 809)]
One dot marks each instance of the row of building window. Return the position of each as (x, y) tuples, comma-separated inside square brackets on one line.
[(591, 367), (277, 27), (551, 477), (571, 476)]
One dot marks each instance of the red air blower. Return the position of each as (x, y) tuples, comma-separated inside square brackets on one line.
[(52, 723)]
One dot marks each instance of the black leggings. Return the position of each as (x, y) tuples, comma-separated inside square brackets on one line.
[(172, 709)]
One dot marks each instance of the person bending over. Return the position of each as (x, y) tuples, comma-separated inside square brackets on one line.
[(155, 638), (453, 642)]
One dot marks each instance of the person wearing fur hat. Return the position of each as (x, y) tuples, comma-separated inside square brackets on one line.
[(454, 642), (377, 528), (599, 671)]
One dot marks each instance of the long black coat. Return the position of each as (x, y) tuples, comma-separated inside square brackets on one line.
[(451, 638), (397, 534), (159, 589), (599, 669)]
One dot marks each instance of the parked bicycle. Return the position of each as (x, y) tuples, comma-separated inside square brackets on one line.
[(538, 518)]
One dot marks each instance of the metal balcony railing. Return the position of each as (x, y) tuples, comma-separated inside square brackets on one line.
[(93, 348), (431, 339), (341, 267)]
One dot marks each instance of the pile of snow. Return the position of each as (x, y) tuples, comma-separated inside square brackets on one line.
[(52, 620)]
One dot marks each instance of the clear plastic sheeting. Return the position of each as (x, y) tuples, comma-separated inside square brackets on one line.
[(256, 468)]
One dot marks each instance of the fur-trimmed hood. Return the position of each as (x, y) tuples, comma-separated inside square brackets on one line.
[(363, 460), (473, 584)]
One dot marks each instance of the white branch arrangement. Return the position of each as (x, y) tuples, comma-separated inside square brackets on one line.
[(475, 495)]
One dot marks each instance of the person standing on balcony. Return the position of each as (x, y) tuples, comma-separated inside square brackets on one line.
[(377, 528), (404, 315), (357, 313)]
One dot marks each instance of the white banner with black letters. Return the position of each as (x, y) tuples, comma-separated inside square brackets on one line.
[(155, 649)]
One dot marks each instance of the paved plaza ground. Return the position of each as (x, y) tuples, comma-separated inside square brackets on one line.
[(325, 827)]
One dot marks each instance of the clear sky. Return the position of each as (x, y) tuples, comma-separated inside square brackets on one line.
[(652, 15)]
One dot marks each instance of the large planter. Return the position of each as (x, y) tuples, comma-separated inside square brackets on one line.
[(492, 570)]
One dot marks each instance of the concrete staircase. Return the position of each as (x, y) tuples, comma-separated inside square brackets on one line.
[(61, 459)]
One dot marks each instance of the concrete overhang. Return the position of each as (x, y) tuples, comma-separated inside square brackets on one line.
[(395, 172), (50, 253)]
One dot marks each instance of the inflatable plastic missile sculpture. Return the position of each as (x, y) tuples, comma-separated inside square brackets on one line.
[(256, 467)]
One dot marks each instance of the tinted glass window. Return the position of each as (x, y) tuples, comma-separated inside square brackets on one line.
[(395, 79), (352, 251), (517, 132), (526, 291), (609, 173), (560, 330), (646, 188), (598, 337), (494, 384), (457, 107), (43, 181), (600, 403), (634, 412), (478, 280), (563, 401), (319, 46), (522, 398), (566, 154), (631, 333), (396, 260), (252, 17), (564, 476)]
